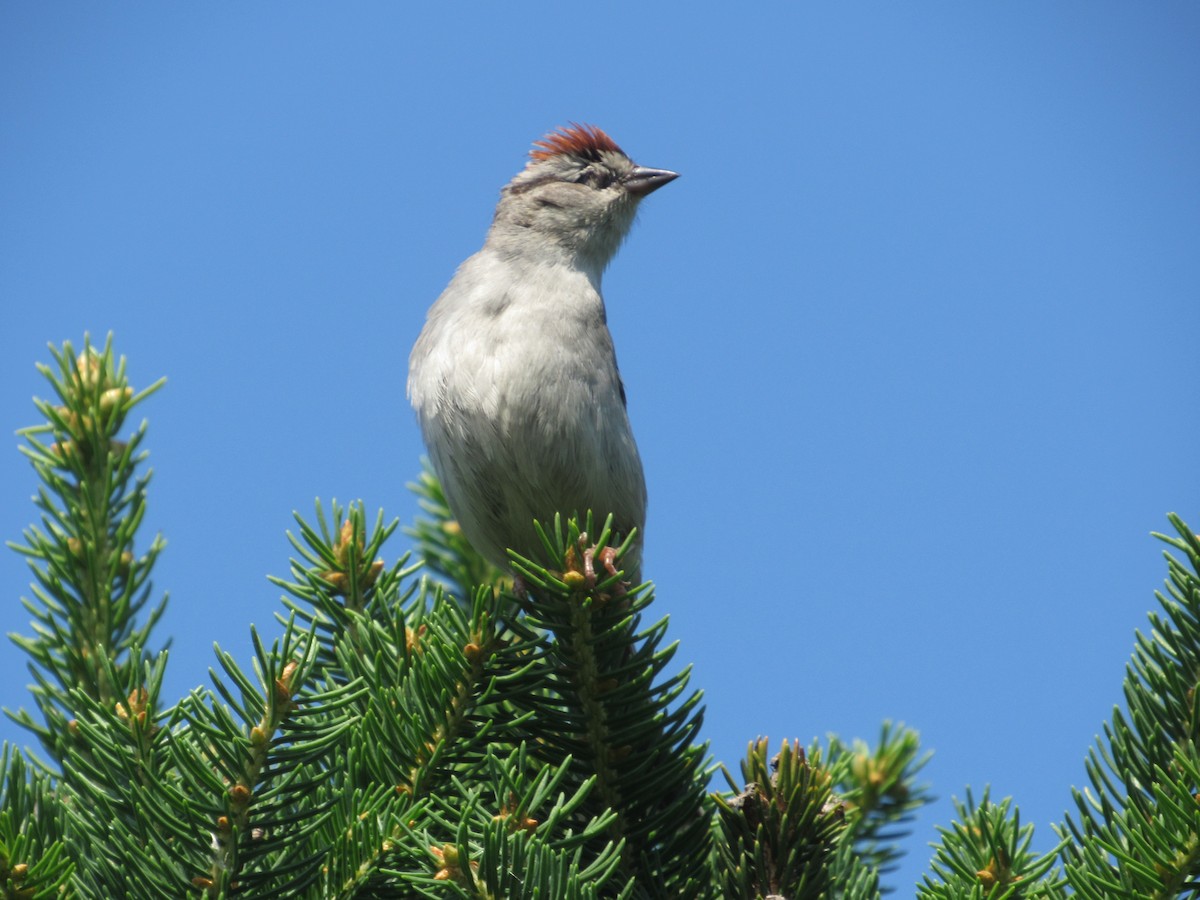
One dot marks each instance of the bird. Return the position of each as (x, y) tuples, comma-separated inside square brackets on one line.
[(514, 375)]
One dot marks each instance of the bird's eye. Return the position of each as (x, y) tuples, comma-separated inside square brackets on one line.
[(594, 177)]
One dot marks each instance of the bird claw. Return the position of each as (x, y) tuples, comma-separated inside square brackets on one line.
[(608, 556), (587, 565)]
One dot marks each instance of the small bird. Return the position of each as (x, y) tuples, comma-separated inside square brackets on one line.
[(514, 376)]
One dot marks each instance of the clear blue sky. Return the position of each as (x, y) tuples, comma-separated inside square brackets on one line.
[(910, 348)]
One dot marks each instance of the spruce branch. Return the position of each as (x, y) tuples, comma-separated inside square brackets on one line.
[(780, 829), (340, 573), (118, 780), (90, 583), (438, 673), (258, 767), (35, 863), (508, 833), (879, 789), (609, 706), (1137, 830), (985, 855)]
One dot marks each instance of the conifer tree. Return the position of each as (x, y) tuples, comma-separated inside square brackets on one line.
[(419, 726)]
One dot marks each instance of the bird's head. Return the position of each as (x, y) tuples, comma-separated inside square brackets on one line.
[(578, 193)]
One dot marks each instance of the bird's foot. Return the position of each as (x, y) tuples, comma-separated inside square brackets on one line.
[(608, 556), (581, 562)]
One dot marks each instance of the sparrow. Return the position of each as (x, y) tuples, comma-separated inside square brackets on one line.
[(514, 376)]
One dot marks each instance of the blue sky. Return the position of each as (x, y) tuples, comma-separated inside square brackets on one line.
[(910, 348)]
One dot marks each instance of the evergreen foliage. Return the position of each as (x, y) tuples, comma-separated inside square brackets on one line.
[(468, 733)]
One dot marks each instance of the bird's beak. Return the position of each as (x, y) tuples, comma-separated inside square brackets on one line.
[(641, 181)]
